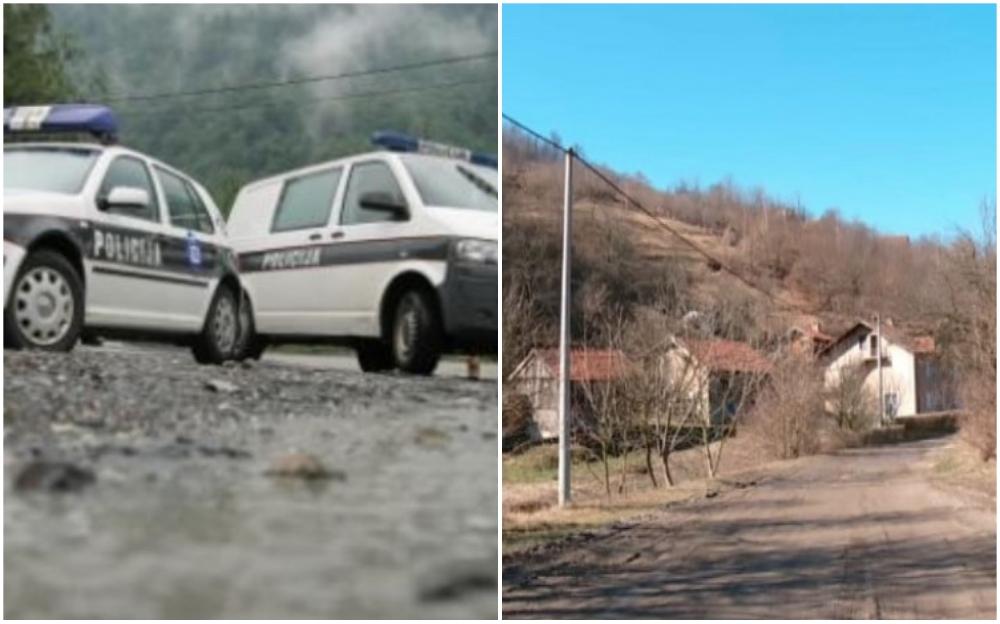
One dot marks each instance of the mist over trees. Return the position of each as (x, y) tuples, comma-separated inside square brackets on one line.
[(227, 139)]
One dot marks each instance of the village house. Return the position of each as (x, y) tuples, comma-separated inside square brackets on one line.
[(807, 338), (537, 378), (913, 379), (721, 376), (711, 373)]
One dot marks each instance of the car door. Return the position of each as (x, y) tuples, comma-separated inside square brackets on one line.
[(293, 290), (125, 275), (190, 249), (366, 253)]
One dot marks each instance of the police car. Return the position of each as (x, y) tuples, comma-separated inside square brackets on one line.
[(392, 252), (105, 240)]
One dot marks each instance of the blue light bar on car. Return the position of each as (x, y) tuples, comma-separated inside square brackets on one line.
[(92, 119), (399, 142)]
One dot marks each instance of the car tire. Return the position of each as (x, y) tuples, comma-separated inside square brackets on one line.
[(249, 345), (374, 356), (46, 305), (415, 333), (217, 341)]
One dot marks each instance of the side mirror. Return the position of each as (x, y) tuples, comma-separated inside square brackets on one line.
[(129, 197), (385, 202)]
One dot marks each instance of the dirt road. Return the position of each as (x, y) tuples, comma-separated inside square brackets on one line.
[(172, 512), (861, 534)]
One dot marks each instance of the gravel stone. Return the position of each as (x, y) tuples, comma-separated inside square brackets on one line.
[(175, 517)]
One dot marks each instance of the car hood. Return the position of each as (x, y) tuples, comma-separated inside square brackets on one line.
[(43, 203), (466, 222)]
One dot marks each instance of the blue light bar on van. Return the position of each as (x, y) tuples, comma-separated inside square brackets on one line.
[(92, 119), (399, 142)]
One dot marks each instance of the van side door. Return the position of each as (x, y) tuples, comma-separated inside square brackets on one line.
[(294, 293)]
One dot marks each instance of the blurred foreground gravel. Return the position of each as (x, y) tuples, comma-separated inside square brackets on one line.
[(141, 485)]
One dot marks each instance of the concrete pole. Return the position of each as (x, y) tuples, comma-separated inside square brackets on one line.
[(881, 394), (565, 423)]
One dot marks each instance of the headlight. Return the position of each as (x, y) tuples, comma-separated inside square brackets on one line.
[(475, 250)]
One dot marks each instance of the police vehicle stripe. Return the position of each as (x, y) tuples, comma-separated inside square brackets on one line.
[(125, 247), (150, 276), (342, 253)]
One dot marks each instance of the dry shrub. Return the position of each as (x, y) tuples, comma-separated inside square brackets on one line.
[(788, 419), (969, 334), (516, 419)]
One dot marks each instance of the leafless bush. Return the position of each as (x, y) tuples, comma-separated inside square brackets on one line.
[(788, 419), (969, 332), (851, 403)]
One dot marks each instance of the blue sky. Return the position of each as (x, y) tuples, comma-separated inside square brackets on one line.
[(887, 113)]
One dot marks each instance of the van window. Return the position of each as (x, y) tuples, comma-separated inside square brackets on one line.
[(183, 204), (366, 178), (306, 201), (129, 171)]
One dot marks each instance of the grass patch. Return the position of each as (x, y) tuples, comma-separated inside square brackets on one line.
[(958, 465), (534, 520), (541, 463)]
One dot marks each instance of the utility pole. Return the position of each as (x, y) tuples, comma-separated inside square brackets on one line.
[(564, 338), (881, 394)]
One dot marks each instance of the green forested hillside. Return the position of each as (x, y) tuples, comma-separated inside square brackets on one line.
[(226, 139)]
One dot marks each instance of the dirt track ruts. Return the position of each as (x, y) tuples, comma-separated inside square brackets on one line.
[(860, 534)]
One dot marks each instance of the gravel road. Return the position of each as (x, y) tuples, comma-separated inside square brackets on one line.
[(172, 511), (861, 534)]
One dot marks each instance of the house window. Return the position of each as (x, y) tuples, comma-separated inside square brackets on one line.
[(873, 342), (861, 343), (891, 404)]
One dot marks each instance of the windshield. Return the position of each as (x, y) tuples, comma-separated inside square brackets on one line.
[(51, 169), (450, 183)]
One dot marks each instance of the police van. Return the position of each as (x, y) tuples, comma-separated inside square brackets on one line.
[(393, 253), (105, 240)]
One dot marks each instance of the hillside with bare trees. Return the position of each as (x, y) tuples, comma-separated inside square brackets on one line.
[(767, 266)]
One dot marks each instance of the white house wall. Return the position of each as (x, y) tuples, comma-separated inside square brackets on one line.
[(898, 373)]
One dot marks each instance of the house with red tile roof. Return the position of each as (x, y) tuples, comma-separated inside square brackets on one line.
[(537, 378), (706, 371), (808, 338)]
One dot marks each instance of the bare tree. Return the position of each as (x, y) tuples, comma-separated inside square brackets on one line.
[(853, 405), (788, 417), (969, 332)]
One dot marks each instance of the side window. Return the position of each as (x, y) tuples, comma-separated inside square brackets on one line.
[(306, 202), (129, 171), (183, 204), (370, 177)]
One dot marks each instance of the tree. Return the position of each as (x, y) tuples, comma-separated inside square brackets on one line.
[(969, 333), (788, 417), (853, 405), (36, 58)]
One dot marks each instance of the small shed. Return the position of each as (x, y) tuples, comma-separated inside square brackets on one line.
[(537, 378)]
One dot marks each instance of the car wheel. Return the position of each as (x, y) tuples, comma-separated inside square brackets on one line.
[(249, 345), (218, 337), (45, 310), (374, 356), (416, 334)]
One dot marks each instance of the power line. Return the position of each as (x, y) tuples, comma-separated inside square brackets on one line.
[(533, 133), (302, 80), (713, 261), (308, 101)]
